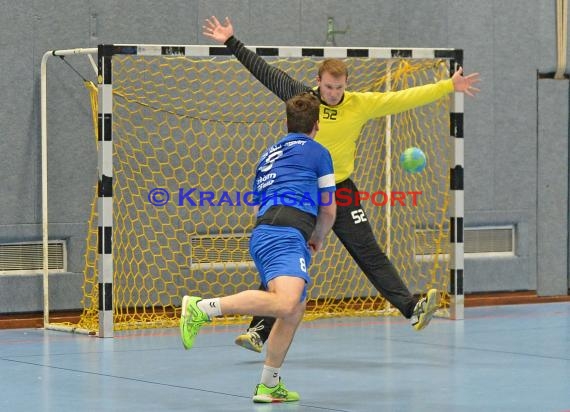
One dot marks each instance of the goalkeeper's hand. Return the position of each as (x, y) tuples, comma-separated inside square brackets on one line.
[(465, 84), (213, 29)]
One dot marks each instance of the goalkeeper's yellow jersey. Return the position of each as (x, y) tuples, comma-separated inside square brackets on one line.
[(340, 125)]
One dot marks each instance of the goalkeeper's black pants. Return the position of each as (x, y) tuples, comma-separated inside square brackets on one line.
[(354, 231)]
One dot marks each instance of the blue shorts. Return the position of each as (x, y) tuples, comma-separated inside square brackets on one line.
[(280, 251)]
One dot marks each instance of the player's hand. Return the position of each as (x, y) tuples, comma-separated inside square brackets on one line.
[(465, 84), (315, 244), (213, 29)]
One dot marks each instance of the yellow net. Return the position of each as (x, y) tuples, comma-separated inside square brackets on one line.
[(194, 128)]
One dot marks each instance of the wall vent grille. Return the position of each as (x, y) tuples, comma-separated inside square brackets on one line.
[(483, 241), (27, 257)]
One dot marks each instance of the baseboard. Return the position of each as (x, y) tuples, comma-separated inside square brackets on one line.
[(35, 319), (511, 298)]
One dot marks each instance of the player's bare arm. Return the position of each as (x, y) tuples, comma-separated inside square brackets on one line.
[(325, 221)]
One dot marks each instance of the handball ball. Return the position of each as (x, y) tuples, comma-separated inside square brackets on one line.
[(413, 160)]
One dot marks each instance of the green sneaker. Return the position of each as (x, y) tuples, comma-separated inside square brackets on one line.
[(278, 393), (424, 310), (191, 320)]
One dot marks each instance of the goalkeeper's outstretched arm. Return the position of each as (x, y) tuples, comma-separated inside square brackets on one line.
[(276, 80)]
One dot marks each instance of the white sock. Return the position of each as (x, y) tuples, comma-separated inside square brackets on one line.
[(212, 307), (270, 376)]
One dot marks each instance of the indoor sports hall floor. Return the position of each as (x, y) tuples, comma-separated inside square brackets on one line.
[(500, 358)]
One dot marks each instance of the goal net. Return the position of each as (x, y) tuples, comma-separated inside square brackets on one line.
[(186, 129)]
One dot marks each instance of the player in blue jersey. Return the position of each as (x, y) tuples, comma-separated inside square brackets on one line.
[(294, 189)]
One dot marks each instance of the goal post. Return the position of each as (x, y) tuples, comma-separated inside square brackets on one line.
[(180, 129), (88, 53)]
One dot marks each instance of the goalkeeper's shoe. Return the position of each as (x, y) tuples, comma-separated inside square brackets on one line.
[(424, 310), (278, 393), (191, 320), (251, 339)]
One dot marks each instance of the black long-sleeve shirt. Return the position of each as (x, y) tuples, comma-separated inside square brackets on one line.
[(276, 80)]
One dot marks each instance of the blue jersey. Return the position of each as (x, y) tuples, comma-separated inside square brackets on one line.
[(293, 172)]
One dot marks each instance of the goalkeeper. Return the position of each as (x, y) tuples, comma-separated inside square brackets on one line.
[(343, 114), (287, 231)]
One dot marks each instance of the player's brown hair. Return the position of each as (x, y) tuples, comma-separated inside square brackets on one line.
[(302, 113)]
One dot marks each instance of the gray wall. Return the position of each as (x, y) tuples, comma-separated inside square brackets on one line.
[(509, 180)]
